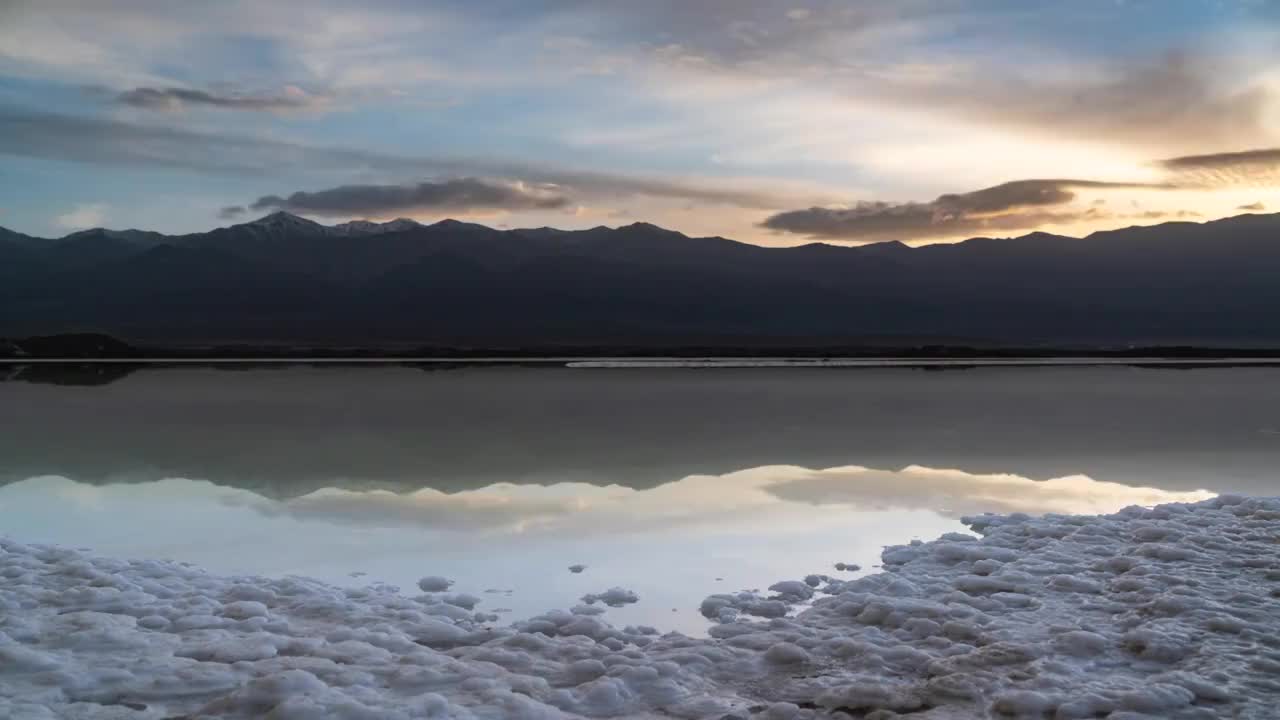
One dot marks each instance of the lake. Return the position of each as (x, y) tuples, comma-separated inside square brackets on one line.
[(673, 483)]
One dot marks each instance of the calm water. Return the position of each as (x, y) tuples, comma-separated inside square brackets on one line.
[(673, 483)]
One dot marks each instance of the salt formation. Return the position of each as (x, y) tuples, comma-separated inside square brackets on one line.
[(434, 583), (613, 597), (1171, 612)]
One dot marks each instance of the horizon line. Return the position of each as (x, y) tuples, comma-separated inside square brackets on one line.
[(827, 242)]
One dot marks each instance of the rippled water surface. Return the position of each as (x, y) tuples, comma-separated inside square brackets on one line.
[(674, 483)]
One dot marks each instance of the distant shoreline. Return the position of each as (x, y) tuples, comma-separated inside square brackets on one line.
[(676, 362), (97, 347)]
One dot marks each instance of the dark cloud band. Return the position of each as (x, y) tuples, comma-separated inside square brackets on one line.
[(173, 98), (112, 142), (1017, 205), (1247, 168), (457, 195)]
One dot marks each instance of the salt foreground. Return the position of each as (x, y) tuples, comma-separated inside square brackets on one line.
[(1171, 612)]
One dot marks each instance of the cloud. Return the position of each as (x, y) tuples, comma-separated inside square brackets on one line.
[(1176, 99), (1016, 195), (1053, 70), (585, 510), (1016, 205), (487, 508), (956, 492), (457, 195), (1247, 168), (232, 212), (113, 142), (86, 215), (1159, 214), (174, 98), (923, 56), (153, 43), (1253, 207)]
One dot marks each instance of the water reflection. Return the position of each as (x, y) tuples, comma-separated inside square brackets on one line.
[(955, 493), (660, 481), (734, 498), (288, 432), (671, 556), (523, 538)]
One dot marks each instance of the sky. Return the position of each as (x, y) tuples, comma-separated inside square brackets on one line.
[(780, 123)]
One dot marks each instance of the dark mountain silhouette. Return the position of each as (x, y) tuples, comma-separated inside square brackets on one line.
[(285, 279), (75, 345)]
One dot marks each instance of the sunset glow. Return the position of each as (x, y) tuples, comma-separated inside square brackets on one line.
[(833, 121)]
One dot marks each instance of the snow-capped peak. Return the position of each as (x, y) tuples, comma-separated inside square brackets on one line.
[(368, 227), (282, 219)]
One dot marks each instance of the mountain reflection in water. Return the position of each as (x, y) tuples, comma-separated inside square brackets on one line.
[(286, 432), (675, 484), (735, 497), (748, 527)]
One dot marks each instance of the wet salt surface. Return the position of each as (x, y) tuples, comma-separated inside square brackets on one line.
[(1148, 613), (668, 545), (511, 545)]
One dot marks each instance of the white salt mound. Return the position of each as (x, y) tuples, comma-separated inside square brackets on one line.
[(613, 597), (434, 583), (1171, 612)]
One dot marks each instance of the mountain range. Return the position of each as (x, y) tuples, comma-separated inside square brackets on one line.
[(283, 279)]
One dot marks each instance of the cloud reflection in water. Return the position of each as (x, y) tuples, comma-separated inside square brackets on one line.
[(719, 499), (673, 544)]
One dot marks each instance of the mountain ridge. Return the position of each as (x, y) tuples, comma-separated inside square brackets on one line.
[(287, 279), (402, 224)]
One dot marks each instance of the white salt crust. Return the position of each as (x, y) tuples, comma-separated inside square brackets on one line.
[(1172, 612)]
